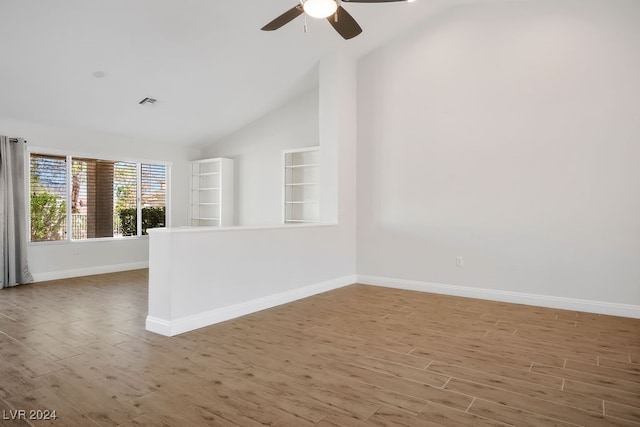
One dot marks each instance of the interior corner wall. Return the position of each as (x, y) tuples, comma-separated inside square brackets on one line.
[(338, 152), (55, 260), (508, 134), (257, 153)]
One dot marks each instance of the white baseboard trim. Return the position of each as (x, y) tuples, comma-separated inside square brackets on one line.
[(574, 304), (200, 320), (88, 271), (157, 325)]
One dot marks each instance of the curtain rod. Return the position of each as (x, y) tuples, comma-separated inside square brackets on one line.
[(15, 140)]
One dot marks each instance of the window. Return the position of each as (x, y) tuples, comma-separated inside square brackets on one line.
[(94, 198), (48, 197), (153, 196)]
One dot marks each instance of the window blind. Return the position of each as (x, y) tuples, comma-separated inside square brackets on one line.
[(48, 197), (153, 182)]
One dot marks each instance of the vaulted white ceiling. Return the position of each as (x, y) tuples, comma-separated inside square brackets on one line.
[(86, 64)]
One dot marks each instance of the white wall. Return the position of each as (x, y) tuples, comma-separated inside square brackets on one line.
[(67, 259), (257, 153), (509, 134), (200, 276)]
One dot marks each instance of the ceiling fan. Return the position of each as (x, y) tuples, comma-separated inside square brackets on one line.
[(332, 10)]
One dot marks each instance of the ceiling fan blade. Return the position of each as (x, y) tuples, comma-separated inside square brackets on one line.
[(345, 25), (283, 19), (371, 1)]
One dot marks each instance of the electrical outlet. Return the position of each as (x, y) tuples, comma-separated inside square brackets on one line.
[(459, 261)]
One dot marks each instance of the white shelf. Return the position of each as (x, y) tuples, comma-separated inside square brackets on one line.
[(301, 168), (310, 165), (212, 192), (303, 202)]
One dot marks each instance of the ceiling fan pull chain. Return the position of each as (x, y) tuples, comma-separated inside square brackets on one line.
[(305, 23)]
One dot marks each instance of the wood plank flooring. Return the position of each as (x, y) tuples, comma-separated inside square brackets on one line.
[(360, 355)]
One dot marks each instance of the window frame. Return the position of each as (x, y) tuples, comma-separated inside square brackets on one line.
[(69, 155)]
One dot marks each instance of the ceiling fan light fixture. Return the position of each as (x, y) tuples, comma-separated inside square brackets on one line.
[(320, 8)]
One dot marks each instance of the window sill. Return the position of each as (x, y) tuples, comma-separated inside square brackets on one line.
[(85, 241)]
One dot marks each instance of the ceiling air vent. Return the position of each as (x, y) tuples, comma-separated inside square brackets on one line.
[(146, 101)]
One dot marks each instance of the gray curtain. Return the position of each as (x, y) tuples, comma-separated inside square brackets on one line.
[(13, 216)]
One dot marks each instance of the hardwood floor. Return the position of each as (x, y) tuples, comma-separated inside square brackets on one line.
[(359, 355)]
